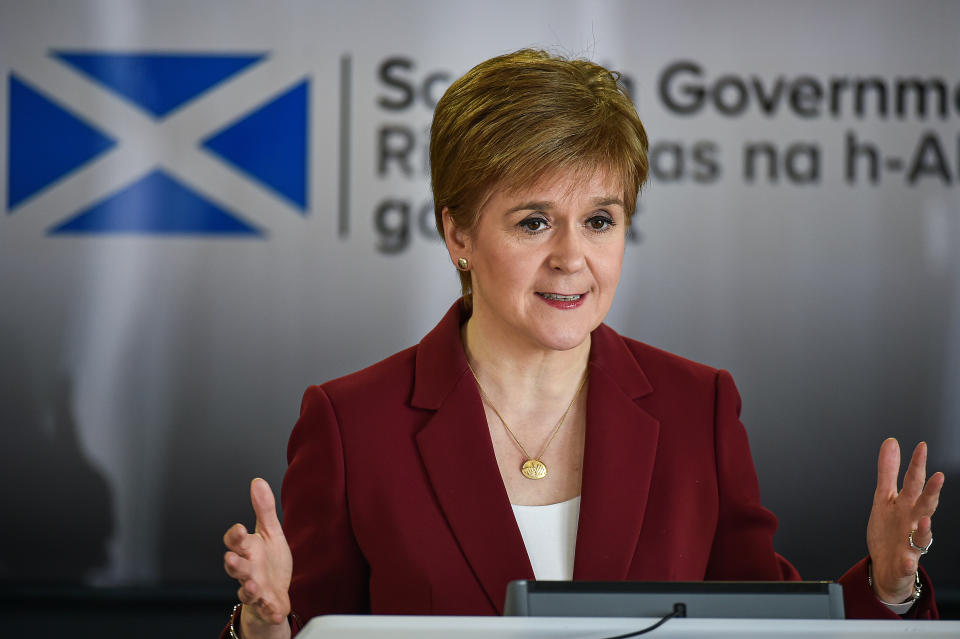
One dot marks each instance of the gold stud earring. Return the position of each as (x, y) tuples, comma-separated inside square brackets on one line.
[(463, 264)]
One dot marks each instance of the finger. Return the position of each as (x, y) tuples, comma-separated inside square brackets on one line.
[(265, 507), (249, 593), (924, 532), (910, 565), (236, 566), (260, 606), (266, 610), (916, 473), (235, 535), (930, 498), (236, 539), (888, 467)]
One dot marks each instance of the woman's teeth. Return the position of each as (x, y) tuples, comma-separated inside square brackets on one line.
[(560, 298)]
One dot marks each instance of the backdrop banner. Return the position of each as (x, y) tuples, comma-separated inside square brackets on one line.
[(208, 206)]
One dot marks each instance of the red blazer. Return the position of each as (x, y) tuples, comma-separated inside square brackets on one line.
[(393, 502)]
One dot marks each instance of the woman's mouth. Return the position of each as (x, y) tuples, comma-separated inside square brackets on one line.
[(563, 301)]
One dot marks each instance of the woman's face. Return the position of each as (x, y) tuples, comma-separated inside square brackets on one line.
[(545, 259)]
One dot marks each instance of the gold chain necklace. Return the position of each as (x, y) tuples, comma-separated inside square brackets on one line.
[(533, 467)]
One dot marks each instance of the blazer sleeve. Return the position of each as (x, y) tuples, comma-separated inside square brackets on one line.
[(743, 543), (330, 574)]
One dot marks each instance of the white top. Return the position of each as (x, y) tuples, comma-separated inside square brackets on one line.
[(550, 535)]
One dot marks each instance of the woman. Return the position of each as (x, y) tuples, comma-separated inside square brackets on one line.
[(522, 437)]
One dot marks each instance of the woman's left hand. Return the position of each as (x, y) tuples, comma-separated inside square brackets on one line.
[(894, 515)]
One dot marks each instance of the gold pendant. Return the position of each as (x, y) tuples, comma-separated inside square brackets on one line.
[(534, 469)]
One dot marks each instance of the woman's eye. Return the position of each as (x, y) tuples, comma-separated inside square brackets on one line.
[(534, 224), (599, 223)]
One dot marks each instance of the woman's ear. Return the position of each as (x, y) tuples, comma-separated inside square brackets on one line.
[(458, 241)]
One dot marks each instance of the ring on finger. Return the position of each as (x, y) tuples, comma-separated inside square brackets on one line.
[(921, 549)]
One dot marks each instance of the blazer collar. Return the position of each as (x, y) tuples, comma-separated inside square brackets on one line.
[(441, 361), (458, 456)]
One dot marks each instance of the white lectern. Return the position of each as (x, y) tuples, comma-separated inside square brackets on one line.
[(411, 627)]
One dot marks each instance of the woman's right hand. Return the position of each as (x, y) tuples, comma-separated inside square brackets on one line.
[(262, 563)]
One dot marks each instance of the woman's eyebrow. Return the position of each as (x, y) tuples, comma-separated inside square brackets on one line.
[(531, 206), (607, 201)]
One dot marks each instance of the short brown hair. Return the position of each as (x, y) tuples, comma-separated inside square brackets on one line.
[(512, 119)]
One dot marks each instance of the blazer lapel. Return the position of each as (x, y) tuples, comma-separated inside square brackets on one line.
[(618, 458), (458, 455)]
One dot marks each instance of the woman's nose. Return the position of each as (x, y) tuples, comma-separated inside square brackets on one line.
[(567, 251)]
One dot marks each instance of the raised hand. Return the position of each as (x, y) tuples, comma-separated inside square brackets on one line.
[(262, 563), (894, 515)]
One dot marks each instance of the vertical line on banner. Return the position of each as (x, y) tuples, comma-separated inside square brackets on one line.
[(343, 227)]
